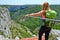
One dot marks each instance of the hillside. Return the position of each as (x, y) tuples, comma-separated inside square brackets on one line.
[(27, 26), (32, 23), (29, 22)]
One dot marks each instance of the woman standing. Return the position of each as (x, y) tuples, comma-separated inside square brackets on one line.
[(46, 12)]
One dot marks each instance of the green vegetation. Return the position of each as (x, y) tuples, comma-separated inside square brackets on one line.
[(19, 30), (26, 26), (33, 24)]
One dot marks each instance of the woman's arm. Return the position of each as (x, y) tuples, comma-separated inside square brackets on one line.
[(35, 14)]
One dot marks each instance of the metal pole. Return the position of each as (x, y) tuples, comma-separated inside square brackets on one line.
[(47, 19)]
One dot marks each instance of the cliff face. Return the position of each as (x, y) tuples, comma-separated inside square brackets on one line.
[(4, 22)]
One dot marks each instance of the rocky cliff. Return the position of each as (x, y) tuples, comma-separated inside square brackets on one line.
[(4, 22)]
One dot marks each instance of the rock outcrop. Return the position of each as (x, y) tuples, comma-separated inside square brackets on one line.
[(5, 22)]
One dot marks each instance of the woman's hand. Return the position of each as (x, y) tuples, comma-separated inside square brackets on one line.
[(27, 15)]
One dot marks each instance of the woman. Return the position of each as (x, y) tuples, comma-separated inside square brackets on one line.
[(46, 26)]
